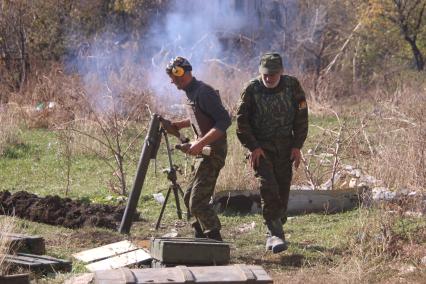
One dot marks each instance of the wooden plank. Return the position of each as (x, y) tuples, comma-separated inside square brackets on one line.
[(122, 260), (39, 263), (15, 279), (25, 243), (104, 252)]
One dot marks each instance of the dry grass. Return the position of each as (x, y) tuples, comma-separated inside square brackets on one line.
[(399, 125), (7, 225), (229, 80), (236, 174), (10, 120), (378, 248)]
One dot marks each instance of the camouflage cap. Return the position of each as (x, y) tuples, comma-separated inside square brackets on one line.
[(270, 63)]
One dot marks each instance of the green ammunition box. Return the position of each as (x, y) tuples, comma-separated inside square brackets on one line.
[(190, 251)]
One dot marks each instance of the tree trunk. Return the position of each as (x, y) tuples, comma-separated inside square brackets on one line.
[(418, 56), (23, 57)]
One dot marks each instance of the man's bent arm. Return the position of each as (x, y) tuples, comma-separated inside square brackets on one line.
[(182, 123), (244, 131), (213, 135)]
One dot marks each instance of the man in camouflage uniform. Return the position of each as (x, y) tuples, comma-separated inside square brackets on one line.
[(209, 120), (272, 122)]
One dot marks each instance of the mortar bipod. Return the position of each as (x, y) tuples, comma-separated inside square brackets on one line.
[(175, 187)]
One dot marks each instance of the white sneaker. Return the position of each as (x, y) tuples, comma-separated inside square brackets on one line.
[(277, 244)]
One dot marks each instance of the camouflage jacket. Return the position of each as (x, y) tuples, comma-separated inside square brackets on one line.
[(270, 115)]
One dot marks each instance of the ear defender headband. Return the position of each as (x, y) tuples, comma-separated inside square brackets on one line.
[(178, 66)]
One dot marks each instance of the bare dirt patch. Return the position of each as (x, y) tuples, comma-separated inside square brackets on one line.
[(55, 210)]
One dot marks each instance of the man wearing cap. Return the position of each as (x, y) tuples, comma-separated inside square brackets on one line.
[(272, 122), (209, 121)]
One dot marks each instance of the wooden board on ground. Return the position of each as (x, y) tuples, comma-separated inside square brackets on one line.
[(15, 279), (25, 243), (138, 256), (38, 263), (235, 274), (104, 252)]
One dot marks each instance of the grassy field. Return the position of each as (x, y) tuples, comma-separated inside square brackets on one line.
[(361, 246)]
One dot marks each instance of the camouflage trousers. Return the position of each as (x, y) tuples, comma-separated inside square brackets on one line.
[(201, 188), (274, 174)]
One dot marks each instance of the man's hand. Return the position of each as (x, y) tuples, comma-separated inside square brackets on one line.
[(295, 157), (255, 157), (196, 148)]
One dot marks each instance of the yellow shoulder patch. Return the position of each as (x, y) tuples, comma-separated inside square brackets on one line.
[(303, 104)]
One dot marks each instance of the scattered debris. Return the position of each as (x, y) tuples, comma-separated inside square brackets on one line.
[(172, 234), (351, 177), (244, 228), (407, 269), (159, 197), (423, 260), (382, 193), (413, 214)]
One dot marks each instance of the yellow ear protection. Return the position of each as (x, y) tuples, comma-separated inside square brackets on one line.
[(178, 71), (178, 66)]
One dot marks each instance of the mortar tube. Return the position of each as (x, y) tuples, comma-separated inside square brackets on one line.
[(149, 145)]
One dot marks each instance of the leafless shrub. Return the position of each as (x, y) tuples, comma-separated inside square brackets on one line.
[(398, 131), (107, 128), (323, 162)]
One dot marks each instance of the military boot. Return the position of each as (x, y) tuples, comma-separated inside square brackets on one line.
[(276, 240), (214, 235), (198, 231)]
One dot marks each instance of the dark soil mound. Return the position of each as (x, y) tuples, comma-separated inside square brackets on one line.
[(59, 211)]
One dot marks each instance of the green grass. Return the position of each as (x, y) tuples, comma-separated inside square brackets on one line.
[(37, 165), (315, 240)]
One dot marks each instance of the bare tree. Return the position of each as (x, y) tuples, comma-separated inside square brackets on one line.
[(408, 16), (13, 40)]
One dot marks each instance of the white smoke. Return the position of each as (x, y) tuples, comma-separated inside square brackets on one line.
[(205, 32)]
